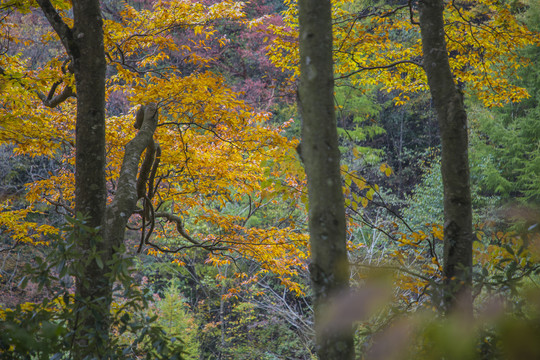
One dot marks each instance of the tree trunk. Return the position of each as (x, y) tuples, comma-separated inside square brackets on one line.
[(452, 118), (319, 151), (93, 289), (84, 44)]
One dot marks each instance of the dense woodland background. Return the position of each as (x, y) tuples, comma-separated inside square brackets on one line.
[(215, 259)]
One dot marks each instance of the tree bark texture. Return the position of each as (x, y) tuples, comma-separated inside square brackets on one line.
[(452, 117), (125, 199), (84, 45), (89, 68), (89, 64), (319, 151)]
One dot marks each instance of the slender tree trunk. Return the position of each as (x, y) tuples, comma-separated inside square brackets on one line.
[(93, 289), (452, 118), (319, 151)]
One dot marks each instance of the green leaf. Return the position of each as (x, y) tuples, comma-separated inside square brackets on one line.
[(99, 262)]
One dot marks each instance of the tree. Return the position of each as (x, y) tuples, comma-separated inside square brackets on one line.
[(329, 269), (448, 100), (376, 46), (505, 140), (84, 45), (218, 162)]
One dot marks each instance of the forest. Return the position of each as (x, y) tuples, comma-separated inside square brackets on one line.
[(270, 179)]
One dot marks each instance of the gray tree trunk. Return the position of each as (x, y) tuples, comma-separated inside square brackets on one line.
[(319, 151), (452, 118)]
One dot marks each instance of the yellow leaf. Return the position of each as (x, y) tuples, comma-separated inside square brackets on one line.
[(364, 202)]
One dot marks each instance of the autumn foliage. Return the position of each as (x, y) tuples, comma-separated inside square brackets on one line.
[(216, 150), (218, 246), (381, 46)]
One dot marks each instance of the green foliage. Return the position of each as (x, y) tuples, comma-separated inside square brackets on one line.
[(426, 200), (46, 330), (175, 318), (506, 141), (508, 147), (252, 335), (356, 125), (425, 204), (284, 113)]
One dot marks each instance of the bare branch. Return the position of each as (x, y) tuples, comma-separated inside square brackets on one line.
[(149, 212), (53, 101), (10, 248), (62, 29), (411, 13), (380, 67), (179, 225), (210, 248), (180, 228)]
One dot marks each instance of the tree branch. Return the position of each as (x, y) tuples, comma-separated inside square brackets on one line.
[(380, 68), (179, 226), (125, 200), (52, 101), (60, 27), (48, 100)]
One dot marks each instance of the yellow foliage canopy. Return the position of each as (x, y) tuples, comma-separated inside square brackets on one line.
[(382, 46), (219, 156)]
